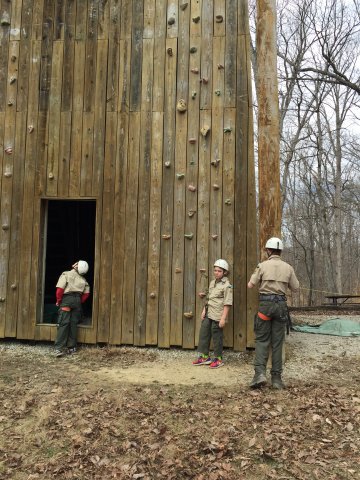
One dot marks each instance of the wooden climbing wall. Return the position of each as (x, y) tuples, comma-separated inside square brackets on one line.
[(89, 96)]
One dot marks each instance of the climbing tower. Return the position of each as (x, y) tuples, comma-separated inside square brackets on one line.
[(126, 137)]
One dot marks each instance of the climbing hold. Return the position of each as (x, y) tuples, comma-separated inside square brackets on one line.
[(204, 81), (13, 286), (5, 20), (166, 237), (228, 201), (170, 51), (13, 58), (181, 106), (5, 226), (220, 66), (10, 103), (30, 128), (205, 130), (8, 174), (8, 150), (12, 80), (184, 6), (51, 176), (180, 176), (188, 315), (193, 50), (192, 140), (196, 19), (227, 130), (191, 213), (202, 270), (219, 18), (214, 237), (217, 92), (152, 295), (2, 299), (215, 163), (171, 21), (189, 236), (202, 294), (178, 270), (216, 186), (194, 70), (167, 164), (192, 188), (193, 95)]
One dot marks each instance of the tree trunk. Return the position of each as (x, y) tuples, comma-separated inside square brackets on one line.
[(268, 122)]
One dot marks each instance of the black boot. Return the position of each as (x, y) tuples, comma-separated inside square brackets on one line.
[(277, 382), (258, 381)]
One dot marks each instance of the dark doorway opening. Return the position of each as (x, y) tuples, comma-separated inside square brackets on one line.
[(70, 236)]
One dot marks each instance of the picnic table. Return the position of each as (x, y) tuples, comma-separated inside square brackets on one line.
[(340, 299)]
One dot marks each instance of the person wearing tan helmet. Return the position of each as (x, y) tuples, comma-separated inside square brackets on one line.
[(72, 290), (214, 315), (273, 278)]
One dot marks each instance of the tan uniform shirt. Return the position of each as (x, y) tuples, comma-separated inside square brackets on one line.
[(274, 277), (220, 294), (72, 282)]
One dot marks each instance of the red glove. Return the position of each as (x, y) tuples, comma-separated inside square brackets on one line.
[(84, 297), (59, 295)]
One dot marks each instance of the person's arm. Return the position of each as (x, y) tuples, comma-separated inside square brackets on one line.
[(293, 282), (59, 295), (224, 316), (255, 277), (84, 297)]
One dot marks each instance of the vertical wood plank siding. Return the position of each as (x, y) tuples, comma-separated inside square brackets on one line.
[(89, 94)]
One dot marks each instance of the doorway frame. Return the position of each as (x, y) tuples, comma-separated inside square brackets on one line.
[(44, 208)]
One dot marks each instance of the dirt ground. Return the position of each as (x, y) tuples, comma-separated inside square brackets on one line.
[(141, 413)]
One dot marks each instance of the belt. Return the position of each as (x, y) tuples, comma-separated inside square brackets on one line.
[(73, 294), (272, 297)]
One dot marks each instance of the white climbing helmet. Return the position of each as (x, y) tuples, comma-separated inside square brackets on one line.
[(274, 243), (82, 267), (222, 264)]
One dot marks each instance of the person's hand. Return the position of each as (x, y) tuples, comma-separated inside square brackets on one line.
[(203, 315), (222, 323), (57, 304)]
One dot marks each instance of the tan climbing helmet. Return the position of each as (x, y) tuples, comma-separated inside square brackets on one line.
[(222, 264), (274, 243), (82, 267)]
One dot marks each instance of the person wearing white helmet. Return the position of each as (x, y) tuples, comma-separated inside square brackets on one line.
[(214, 315), (72, 290), (273, 278)]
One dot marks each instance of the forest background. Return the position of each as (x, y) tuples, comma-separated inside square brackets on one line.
[(319, 98)]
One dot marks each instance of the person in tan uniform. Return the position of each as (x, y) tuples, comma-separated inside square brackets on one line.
[(72, 290), (214, 315), (273, 277)]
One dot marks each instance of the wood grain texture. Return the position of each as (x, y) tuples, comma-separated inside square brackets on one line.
[(88, 110), (153, 277)]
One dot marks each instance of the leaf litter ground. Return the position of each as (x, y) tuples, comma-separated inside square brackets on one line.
[(132, 413)]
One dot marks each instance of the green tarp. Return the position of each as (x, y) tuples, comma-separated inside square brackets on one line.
[(339, 326)]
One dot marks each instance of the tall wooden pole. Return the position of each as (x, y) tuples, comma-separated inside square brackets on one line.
[(268, 123)]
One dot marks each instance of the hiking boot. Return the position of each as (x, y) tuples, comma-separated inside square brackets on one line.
[(202, 361), (59, 353), (216, 363), (277, 382), (258, 381), (71, 351)]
